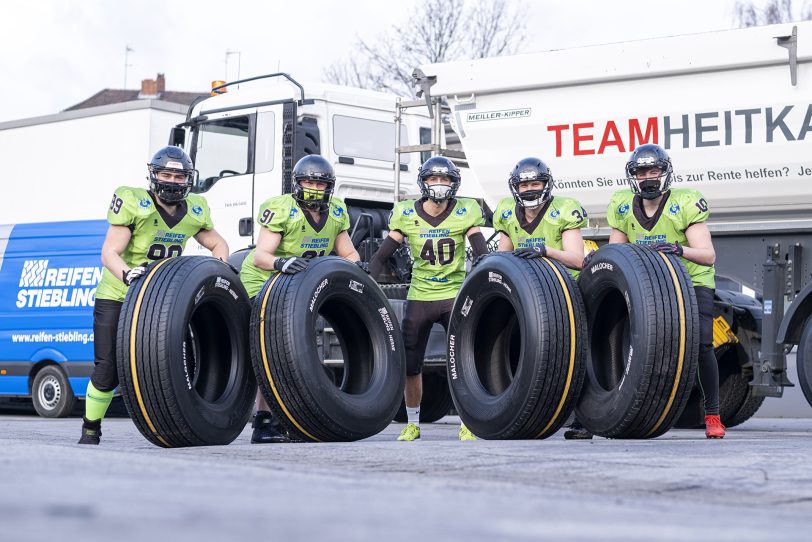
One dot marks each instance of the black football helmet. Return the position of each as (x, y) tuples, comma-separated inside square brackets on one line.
[(439, 166), (173, 160), (646, 157), (531, 169), (313, 168)]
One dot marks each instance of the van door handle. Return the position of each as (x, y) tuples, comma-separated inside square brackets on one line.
[(246, 227)]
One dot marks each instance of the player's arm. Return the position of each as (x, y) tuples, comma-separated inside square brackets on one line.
[(573, 253), (115, 243), (505, 243), (618, 236), (214, 242), (700, 246), (477, 240), (384, 252), (267, 244), (345, 248)]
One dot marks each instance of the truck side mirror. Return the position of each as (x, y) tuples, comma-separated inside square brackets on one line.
[(177, 137)]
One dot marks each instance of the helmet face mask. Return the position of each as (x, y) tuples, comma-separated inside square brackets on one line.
[(313, 168), (175, 161), (643, 160), (529, 170), (438, 166)]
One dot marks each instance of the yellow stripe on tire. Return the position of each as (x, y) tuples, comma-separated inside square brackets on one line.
[(571, 367), (265, 363), (133, 367), (681, 359)]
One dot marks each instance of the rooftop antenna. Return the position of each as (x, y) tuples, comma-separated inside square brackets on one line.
[(127, 51)]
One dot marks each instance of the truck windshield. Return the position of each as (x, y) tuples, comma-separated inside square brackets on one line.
[(221, 150)]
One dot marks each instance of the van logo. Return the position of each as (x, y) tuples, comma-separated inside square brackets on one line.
[(43, 286)]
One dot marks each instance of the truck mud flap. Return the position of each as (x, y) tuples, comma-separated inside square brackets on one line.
[(302, 393), (516, 348), (644, 342), (182, 352)]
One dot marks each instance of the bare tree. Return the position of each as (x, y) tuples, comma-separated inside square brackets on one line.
[(437, 31), (746, 13)]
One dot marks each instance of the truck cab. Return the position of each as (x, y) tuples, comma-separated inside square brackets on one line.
[(247, 136)]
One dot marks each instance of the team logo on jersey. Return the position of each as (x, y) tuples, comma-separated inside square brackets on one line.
[(506, 214), (407, 212), (293, 211), (555, 213), (623, 209), (338, 211), (144, 203), (197, 210), (674, 208), (461, 211)]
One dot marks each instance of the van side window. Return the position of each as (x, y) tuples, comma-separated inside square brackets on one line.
[(221, 150), (370, 139)]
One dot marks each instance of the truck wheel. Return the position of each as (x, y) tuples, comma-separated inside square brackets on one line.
[(395, 291), (238, 257), (804, 361), (436, 400), (516, 348), (737, 403), (51, 393), (286, 359), (644, 342), (182, 352)]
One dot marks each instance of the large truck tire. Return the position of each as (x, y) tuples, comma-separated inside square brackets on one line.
[(516, 348), (288, 366), (183, 357), (436, 402), (644, 342), (51, 393), (803, 360)]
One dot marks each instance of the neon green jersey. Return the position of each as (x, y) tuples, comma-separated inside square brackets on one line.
[(437, 245), (301, 236), (559, 215), (155, 233), (679, 208)]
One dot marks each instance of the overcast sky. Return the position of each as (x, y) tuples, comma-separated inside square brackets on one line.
[(55, 53)]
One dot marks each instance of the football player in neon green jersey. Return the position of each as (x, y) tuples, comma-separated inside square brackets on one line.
[(436, 226), (672, 221), (534, 224), (294, 228), (145, 225)]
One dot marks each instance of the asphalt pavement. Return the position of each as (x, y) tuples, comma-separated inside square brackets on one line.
[(756, 484)]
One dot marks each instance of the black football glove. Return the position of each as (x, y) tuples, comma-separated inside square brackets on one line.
[(290, 265), (363, 265), (479, 258), (531, 252), (128, 277), (667, 248)]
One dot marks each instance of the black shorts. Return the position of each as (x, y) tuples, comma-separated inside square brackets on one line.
[(704, 302), (105, 328), (418, 318)]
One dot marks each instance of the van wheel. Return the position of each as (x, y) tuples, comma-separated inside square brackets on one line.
[(436, 400), (182, 352), (644, 342), (285, 354), (51, 393), (516, 348)]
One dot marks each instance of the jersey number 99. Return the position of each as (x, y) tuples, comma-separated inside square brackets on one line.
[(159, 251)]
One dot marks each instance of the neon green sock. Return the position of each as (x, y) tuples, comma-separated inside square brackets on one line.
[(96, 402)]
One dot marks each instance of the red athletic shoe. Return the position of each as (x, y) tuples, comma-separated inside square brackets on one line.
[(714, 427)]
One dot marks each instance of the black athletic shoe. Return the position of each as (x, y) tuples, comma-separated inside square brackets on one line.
[(577, 431), (91, 432), (266, 429)]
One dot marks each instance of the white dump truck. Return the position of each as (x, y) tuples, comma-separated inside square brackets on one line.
[(733, 109)]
